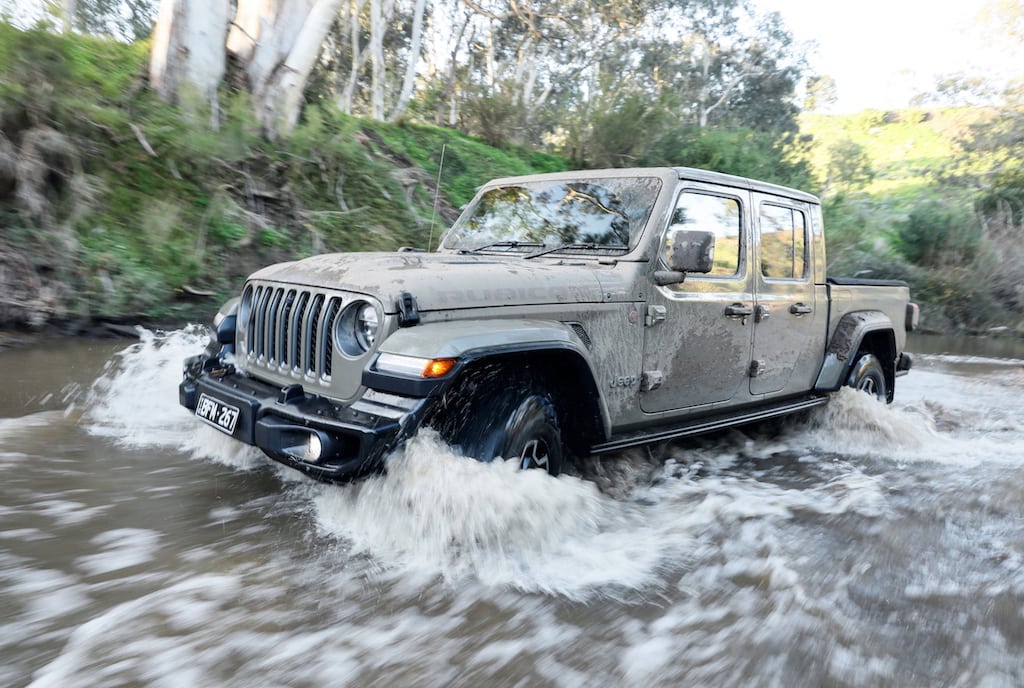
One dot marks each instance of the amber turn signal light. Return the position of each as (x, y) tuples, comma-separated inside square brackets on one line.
[(438, 367)]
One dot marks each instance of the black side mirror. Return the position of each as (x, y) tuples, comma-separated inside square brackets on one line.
[(687, 250)]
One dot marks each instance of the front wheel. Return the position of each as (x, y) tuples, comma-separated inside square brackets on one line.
[(514, 420), (867, 375)]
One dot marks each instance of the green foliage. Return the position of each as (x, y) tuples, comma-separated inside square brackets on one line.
[(160, 202), (906, 150), (849, 166), (180, 206), (468, 163), (921, 217), (622, 133), (274, 237), (493, 115), (743, 152), (62, 80), (821, 93), (936, 235), (1005, 197)]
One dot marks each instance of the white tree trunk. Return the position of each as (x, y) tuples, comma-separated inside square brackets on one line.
[(69, 8), (264, 33), (278, 42), (188, 49), (450, 80), (376, 60), (412, 65), (359, 58)]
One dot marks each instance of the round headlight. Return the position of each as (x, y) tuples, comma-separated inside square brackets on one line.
[(356, 328), (366, 326)]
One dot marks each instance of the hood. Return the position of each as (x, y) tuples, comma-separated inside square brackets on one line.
[(442, 281)]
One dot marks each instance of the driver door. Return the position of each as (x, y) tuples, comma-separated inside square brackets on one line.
[(699, 333)]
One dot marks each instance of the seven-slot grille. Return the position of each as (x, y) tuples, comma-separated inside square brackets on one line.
[(291, 329)]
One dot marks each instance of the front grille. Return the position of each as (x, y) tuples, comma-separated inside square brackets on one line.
[(290, 329)]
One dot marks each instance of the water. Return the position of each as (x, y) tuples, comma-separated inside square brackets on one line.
[(862, 545)]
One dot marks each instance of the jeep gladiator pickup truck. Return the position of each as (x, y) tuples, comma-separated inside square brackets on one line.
[(563, 315)]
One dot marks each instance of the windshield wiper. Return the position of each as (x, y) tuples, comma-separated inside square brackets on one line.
[(503, 244), (566, 247)]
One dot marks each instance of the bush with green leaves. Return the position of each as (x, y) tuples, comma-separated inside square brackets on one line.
[(744, 152), (936, 235)]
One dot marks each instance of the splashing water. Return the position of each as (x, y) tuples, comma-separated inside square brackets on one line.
[(861, 544), (438, 513), (135, 401)]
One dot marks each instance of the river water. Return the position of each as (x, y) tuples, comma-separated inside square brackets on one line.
[(862, 545)]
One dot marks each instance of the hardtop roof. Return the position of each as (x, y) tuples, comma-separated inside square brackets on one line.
[(667, 173)]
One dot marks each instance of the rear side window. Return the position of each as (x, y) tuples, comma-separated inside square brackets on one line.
[(783, 234), (717, 214)]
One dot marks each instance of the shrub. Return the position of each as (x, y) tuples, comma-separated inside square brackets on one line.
[(936, 235)]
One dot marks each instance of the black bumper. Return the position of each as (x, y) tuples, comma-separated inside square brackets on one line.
[(353, 438)]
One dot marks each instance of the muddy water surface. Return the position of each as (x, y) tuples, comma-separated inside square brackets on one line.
[(863, 545)]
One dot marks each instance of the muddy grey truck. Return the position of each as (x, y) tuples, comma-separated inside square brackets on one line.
[(562, 317)]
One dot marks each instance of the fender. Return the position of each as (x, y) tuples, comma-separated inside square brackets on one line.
[(406, 352), (845, 343), (467, 342)]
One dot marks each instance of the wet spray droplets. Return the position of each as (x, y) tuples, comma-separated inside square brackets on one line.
[(135, 401), (434, 511), (859, 545)]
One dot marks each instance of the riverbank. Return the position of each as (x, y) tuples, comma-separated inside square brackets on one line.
[(118, 208), (22, 336)]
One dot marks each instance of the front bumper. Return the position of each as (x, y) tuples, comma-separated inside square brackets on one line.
[(351, 440)]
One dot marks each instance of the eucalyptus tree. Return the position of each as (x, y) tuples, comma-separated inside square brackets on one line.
[(275, 42), (373, 55), (691, 65), (510, 70)]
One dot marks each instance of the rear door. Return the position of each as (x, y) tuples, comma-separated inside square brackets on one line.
[(789, 314), (698, 335)]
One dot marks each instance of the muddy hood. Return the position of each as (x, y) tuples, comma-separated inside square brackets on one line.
[(447, 281)]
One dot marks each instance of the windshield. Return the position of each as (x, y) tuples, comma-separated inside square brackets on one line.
[(599, 213)]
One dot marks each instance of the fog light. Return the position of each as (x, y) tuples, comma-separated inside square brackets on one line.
[(308, 447), (314, 448)]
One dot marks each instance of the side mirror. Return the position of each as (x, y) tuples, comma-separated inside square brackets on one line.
[(687, 250)]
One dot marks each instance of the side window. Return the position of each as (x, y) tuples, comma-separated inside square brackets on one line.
[(716, 214), (783, 233)]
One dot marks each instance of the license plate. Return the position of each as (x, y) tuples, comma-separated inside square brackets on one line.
[(222, 416)]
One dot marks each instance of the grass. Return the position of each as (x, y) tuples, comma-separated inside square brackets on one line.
[(908, 149), (147, 231), (209, 206)]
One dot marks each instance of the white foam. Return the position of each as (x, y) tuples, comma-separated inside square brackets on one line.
[(437, 511), (121, 548), (88, 654), (15, 427), (135, 401)]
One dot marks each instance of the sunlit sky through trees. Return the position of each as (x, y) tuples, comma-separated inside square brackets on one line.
[(881, 53)]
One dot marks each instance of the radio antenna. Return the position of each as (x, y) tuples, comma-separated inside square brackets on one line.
[(437, 195)]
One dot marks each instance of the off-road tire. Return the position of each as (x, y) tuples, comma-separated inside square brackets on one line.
[(867, 375), (492, 415)]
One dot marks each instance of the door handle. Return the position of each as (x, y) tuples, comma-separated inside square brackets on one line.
[(800, 309), (738, 310)]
